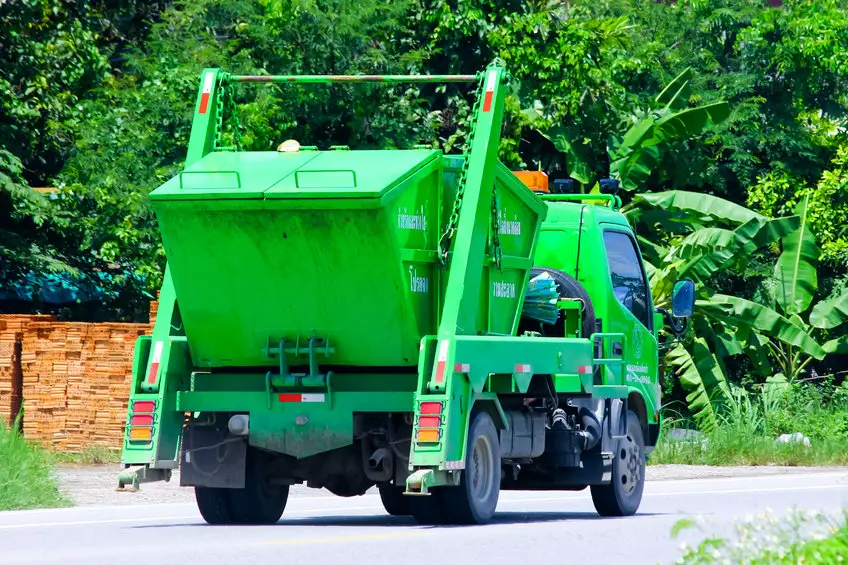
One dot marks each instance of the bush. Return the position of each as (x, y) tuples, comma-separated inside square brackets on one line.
[(801, 537)]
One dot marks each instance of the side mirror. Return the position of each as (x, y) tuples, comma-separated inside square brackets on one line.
[(683, 299)]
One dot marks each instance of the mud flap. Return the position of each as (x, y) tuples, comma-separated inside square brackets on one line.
[(212, 457)]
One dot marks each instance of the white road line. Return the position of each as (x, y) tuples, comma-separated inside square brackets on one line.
[(311, 498), (375, 507)]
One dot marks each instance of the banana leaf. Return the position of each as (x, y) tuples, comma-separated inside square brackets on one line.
[(699, 207), (830, 313), (739, 312), (795, 270), (701, 377)]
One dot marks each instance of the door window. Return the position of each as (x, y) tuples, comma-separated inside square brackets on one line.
[(628, 279)]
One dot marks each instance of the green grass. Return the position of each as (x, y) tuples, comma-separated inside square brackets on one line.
[(749, 424), (800, 537), (25, 479)]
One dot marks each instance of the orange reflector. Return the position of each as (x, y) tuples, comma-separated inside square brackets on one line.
[(429, 422), (141, 434), (144, 406), (430, 436), (430, 408), (142, 420)]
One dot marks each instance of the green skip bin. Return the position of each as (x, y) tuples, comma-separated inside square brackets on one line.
[(338, 245)]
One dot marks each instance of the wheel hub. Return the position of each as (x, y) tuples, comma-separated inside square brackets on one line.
[(629, 465), (480, 469)]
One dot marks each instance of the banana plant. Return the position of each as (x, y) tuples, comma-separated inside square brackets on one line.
[(692, 235), (666, 123)]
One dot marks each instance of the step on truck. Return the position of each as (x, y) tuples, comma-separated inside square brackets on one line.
[(437, 326)]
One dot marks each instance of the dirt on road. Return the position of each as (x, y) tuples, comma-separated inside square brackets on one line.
[(96, 485)]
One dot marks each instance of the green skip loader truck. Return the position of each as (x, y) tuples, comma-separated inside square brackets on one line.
[(427, 324)]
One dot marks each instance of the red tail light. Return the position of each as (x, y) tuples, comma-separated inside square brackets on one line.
[(142, 420), (430, 408), (429, 422), (144, 407)]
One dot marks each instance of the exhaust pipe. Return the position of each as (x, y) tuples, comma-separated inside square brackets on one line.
[(380, 466), (377, 458)]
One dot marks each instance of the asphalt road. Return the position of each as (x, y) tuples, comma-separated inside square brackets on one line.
[(538, 527)]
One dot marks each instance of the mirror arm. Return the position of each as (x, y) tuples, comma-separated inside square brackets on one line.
[(678, 325)]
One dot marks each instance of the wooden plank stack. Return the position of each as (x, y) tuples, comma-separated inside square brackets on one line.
[(11, 335), (76, 379), (72, 378)]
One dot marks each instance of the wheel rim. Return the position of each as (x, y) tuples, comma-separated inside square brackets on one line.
[(630, 471), (480, 469)]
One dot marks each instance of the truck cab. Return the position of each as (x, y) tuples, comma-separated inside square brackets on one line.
[(591, 242)]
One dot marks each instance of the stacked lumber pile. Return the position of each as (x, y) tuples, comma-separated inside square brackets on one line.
[(11, 335), (76, 380)]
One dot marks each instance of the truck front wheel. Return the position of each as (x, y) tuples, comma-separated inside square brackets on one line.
[(475, 499), (622, 496)]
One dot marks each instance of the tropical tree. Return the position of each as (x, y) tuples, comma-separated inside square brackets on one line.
[(650, 134)]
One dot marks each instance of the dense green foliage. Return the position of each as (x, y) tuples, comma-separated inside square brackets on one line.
[(733, 99)]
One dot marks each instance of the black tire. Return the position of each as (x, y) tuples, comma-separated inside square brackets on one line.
[(214, 505), (475, 500), (394, 501), (429, 510), (622, 496), (568, 287), (259, 502)]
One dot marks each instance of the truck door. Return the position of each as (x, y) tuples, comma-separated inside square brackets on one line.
[(630, 312)]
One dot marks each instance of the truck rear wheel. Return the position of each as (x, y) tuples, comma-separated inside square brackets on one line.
[(214, 505), (622, 496), (259, 502), (475, 499), (394, 501)]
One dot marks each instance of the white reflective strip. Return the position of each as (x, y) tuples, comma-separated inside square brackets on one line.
[(453, 465), (157, 352), (443, 350), (207, 83), (312, 397), (490, 81)]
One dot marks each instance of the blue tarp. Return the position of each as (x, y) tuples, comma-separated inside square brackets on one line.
[(60, 288)]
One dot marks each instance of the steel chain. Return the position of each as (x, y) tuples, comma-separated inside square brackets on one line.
[(219, 115), (497, 253), (231, 102), (450, 228), (225, 103)]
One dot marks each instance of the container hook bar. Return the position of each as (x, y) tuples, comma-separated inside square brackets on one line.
[(352, 78)]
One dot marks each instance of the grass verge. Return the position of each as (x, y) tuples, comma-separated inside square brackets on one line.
[(724, 447), (25, 479), (748, 426)]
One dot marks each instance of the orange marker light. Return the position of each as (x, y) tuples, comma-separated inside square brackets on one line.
[(141, 434), (428, 436)]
